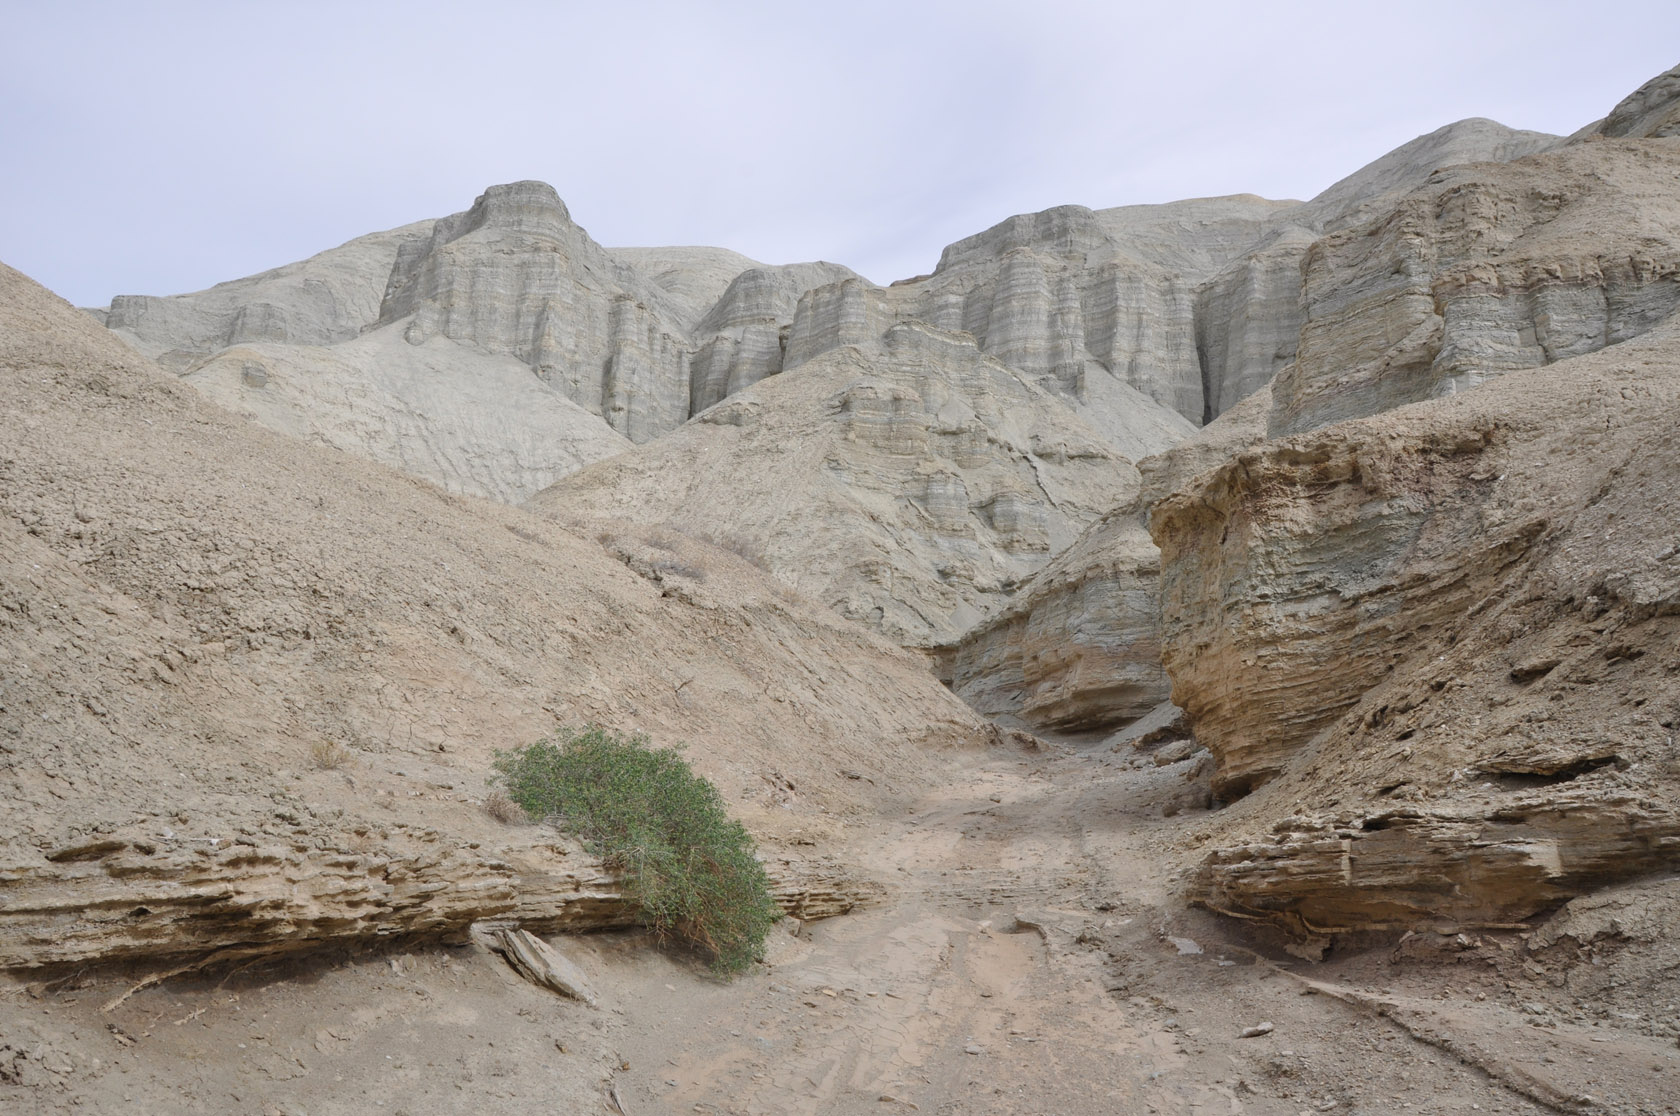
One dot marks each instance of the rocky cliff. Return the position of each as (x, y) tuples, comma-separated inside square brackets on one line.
[(1078, 647), (611, 331), (1119, 315), (252, 687), (1487, 269), (1436, 649), (1192, 304), (1508, 265)]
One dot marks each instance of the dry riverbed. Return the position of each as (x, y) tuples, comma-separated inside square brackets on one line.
[(1030, 956)]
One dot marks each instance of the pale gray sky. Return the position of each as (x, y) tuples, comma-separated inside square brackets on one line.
[(162, 147)]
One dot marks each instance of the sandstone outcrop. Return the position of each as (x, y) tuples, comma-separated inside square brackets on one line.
[(1436, 648), (1078, 648), (289, 889), (252, 687), (909, 487)]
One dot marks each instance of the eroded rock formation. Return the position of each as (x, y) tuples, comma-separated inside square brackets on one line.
[(1438, 648), (909, 487), (1078, 648), (1487, 269), (1072, 649)]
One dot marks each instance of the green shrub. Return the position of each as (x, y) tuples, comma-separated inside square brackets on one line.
[(687, 866)]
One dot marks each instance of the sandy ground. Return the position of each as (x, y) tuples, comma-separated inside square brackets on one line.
[(1031, 957)]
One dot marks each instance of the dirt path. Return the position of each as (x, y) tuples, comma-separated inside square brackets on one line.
[(1030, 962), (1030, 959)]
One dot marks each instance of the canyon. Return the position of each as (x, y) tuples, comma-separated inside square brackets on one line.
[(1152, 613)]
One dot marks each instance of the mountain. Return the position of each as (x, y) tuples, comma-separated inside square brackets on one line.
[(1421, 291)]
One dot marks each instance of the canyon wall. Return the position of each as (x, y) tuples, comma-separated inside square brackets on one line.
[(1435, 649)]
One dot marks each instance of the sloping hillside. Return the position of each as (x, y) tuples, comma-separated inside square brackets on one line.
[(195, 611)]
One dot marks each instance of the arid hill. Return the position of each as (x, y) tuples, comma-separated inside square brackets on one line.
[(253, 686)]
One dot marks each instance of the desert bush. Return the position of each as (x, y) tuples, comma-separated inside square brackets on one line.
[(504, 809), (329, 755), (688, 867)]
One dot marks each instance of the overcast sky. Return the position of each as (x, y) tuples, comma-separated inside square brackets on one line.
[(162, 147)]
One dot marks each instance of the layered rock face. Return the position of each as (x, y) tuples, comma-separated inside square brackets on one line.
[(1192, 304), (513, 279), (515, 275), (1438, 647), (909, 487), (1084, 299), (1249, 315), (253, 688), (1078, 648), (744, 337), (1485, 270)]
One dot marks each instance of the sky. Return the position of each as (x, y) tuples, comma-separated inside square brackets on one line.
[(161, 147)]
